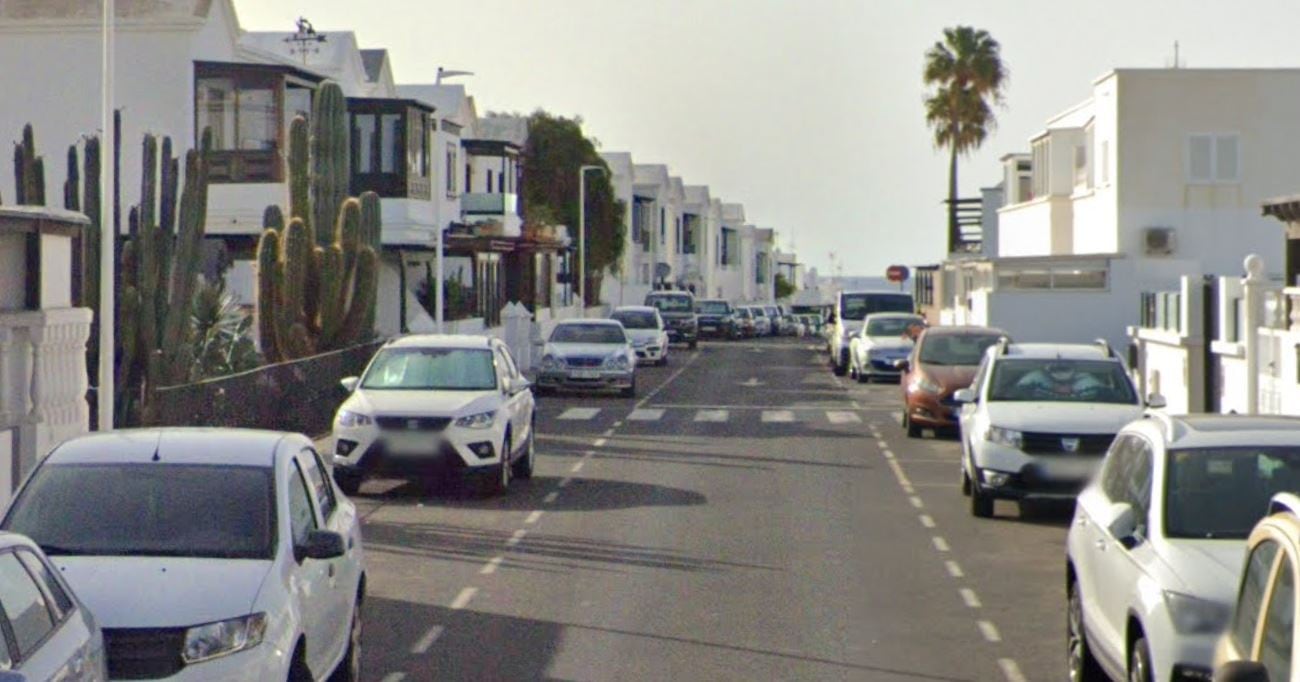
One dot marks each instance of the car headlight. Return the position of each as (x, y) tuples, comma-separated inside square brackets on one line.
[(927, 385), (618, 361), (550, 362), (1192, 615), (350, 418), (1008, 437), (206, 642), (482, 420)]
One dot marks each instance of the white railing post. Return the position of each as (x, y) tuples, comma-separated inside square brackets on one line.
[(1252, 292)]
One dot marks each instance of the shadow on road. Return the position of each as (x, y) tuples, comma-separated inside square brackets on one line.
[(581, 494)]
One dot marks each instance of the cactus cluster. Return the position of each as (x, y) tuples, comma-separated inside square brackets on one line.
[(29, 171), (160, 268), (318, 272)]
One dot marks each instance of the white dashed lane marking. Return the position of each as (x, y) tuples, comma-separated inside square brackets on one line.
[(580, 413), (516, 537), (577, 466), (550, 497), (462, 600), (927, 521), (916, 502), (533, 518), (940, 544), (422, 646), (954, 569), (564, 482), (990, 631), (491, 566), (1011, 670), (778, 416), (646, 414), (711, 416), (972, 600), (394, 677), (600, 443)]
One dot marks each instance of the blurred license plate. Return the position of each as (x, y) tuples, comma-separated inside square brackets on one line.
[(416, 443), (586, 374), (1070, 468)]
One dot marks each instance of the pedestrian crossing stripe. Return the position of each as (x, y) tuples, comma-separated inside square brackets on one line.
[(711, 416), (645, 414), (778, 416), (843, 417), (580, 413)]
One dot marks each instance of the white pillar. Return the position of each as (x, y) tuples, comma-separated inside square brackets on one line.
[(1252, 317), (108, 247)]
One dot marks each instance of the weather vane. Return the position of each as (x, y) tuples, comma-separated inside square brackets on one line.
[(306, 40)]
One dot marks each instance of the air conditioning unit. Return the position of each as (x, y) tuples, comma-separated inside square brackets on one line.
[(1158, 241)]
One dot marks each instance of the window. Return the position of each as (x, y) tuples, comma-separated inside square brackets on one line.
[(248, 108), (302, 519), (1065, 278), (1041, 176), (1216, 493), (430, 369), (488, 175), (317, 476), (365, 135), (663, 227), (1081, 166), (451, 170), (1258, 569), (24, 605), (62, 602), (1279, 624), (1062, 380), (1213, 159)]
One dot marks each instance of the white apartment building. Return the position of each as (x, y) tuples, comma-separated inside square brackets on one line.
[(1159, 173)]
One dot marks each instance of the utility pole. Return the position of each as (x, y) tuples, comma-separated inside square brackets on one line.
[(108, 233)]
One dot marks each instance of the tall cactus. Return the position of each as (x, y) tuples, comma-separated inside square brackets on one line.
[(72, 186), (318, 274), (29, 171)]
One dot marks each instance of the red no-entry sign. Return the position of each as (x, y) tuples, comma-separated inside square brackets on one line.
[(897, 273)]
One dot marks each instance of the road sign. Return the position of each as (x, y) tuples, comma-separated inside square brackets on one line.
[(897, 273)]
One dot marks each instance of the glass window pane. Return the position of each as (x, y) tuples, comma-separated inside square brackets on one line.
[(216, 110), (297, 102), (1279, 625), (302, 519), (319, 483), (258, 122), (52, 585), (1079, 279), (1258, 569), (364, 135), (1225, 158), (1198, 158), (391, 149), (24, 604)]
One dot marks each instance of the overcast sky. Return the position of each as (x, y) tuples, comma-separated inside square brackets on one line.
[(807, 111)]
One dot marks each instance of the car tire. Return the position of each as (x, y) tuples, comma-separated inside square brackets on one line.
[(965, 483), (693, 345), (913, 431), (523, 469), (842, 364), (663, 362), (349, 483), (630, 391), (863, 377), (500, 483), (981, 503), (298, 670), (1139, 661), (349, 669), (1079, 662)]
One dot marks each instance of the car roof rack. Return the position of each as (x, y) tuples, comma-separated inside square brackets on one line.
[(1106, 349), (1284, 502), (1004, 345)]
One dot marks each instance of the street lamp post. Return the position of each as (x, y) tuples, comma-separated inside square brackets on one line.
[(108, 232), (582, 234)]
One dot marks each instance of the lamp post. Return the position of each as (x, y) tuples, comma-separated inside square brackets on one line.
[(108, 232), (582, 234)]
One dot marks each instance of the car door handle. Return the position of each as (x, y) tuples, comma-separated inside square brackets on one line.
[(1101, 545), (1081, 522), (331, 569)]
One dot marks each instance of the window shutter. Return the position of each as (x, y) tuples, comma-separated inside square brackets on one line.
[(1200, 162)]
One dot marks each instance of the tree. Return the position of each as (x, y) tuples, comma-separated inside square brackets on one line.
[(556, 149), (968, 76), (782, 287)]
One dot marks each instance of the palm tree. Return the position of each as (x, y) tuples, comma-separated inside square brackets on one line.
[(968, 75)]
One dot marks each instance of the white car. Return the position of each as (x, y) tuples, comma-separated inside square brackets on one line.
[(846, 317), (885, 339), (762, 323), (1038, 418), (645, 327), (584, 354), (431, 406), (1158, 539), (205, 554)]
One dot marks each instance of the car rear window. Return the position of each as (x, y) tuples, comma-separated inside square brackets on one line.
[(588, 333), (637, 319)]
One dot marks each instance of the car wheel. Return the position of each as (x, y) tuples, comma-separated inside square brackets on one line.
[(1080, 663), (693, 345), (913, 431), (981, 503), (630, 391), (842, 366), (349, 669), (349, 483), (501, 478), (863, 377), (523, 469), (1139, 661), (965, 483), (298, 670)]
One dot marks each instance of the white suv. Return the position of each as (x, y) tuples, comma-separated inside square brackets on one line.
[(1038, 418), (1158, 540), (429, 406)]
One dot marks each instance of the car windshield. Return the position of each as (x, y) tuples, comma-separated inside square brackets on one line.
[(962, 350), (713, 308), (673, 304), (1058, 380), (588, 333), (891, 326), (743, 313), (637, 319), (758, 312), (431, 369), (1222, 492), (858, 306), (148, 510)]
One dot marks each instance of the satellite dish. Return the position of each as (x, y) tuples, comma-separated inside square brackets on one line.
[(662, 270)]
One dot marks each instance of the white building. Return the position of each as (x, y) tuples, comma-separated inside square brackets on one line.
[(1158, 174)]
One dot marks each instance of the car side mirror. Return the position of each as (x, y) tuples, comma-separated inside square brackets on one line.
[(901, 365), (964, 396), (1241, 671), (519, 385), (1123, 524), (1156, 401), (350, 384), (322, 545)]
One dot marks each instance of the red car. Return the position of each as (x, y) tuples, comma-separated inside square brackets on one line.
[(943, 361)]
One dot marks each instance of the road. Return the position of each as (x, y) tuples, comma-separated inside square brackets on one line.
[(747, 516)]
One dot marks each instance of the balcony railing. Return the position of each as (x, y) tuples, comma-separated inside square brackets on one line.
[(483, 203)]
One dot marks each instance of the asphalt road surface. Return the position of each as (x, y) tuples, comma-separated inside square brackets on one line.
[(747, 516)]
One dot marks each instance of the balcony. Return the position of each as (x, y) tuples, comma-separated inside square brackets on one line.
[(1040, 227), (485, 203)]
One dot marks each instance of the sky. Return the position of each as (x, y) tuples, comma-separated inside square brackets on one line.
[(806, 111)]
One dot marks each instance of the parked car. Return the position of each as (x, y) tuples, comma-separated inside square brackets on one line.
[(1158, 540), (885, 339), (745, 325), (791, 325), (55, 637), (812, 325), (428, 407), (716, 318), (943, 362), (678, 311), (1038, 418), (778, 320), (593, 354), (1257, 646), (646, 329), (845, 320), (205, 554), (762, 323)]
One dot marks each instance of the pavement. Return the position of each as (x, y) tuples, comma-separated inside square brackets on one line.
[(747, 516)]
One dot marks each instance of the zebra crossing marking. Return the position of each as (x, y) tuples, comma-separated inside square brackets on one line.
[(778, 416), (645, 414), (580, 413), (712, 416)]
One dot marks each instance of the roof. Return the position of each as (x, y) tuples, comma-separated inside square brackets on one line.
[(173, 445), (93, 9), (1062, 351), (447, 99), (1230, 430), (373, 61), (512, 129), (604, 321), (440, 341)]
